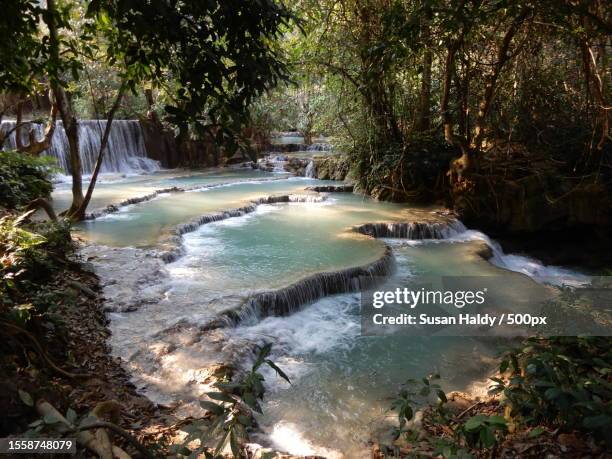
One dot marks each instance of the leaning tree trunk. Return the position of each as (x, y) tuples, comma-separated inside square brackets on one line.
[(79, 214)]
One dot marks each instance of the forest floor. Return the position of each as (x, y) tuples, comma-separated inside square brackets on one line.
[(68, 363), (431, 437)]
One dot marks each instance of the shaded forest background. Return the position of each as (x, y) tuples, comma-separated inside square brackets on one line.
[(499, 109)]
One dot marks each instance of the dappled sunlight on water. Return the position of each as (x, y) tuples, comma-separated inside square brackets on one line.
[(342, 382)]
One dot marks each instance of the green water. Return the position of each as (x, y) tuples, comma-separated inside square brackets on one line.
[(342, 383), (113, 188)]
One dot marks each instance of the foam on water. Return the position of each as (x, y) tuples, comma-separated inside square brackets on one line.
[(341, 382), (287, 436), (126, 151), (456, 232), (548, 274)]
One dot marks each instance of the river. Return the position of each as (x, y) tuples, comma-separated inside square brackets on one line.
[(342, 383)]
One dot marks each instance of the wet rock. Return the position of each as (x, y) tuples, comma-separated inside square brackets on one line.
[(332, 188), (88, 267), (290, 299), (412, 230), (334, 167), (484, 250), (210, 374), (129, 277)]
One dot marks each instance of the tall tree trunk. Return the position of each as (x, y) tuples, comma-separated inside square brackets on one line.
[(595, 86), (64, 106), (376, 90), (491, 82), (424, 120), (424, 116), (71, 128)]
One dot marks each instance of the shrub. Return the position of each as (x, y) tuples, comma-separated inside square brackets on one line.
[(564, 381), (23, 178), (27, 260)]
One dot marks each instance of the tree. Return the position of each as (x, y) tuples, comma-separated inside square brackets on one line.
[(440, 76), (219, 57)]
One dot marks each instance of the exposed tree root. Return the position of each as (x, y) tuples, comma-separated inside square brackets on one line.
[(16, 329)]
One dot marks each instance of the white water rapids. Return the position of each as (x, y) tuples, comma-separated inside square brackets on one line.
[(342, 382)]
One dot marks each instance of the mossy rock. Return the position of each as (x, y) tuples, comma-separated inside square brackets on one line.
[(332, 167)]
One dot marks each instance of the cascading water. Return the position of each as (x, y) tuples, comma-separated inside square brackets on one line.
[(319, 147), (125, 152), (251, 270), (310, 170), (412, 230)]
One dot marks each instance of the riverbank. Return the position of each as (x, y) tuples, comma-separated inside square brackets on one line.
[(159, 310), (55, 349), (523, 217), (537, 405)]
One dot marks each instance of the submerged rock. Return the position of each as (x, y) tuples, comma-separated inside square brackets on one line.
[(112, 208)]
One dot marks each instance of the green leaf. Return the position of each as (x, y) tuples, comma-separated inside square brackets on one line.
[(280, 372), (535, 432), (71, 416), (497, 421), (407, 412), (50, 419), (552, 393), (474, 423), (234, 445), (244, 420), (26, 397), (487, 438), (221, 397), (222, 443), (212, 407), (597, 422)]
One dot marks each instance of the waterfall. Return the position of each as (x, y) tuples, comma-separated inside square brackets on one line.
[(273, 163), (319, 147), (290, 299), (412, 230), (545, 274), (331, 188), (310, 170), (125, 152), (455, 231)]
